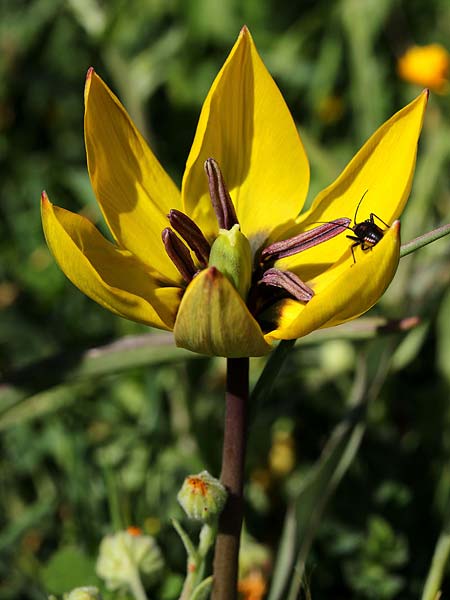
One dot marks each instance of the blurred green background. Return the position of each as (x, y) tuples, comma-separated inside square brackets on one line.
[(81, 454)]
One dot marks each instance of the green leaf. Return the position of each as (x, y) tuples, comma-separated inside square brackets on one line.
[(314, 491), (438, 566), (69, 568), (443, 340), (285, 555)]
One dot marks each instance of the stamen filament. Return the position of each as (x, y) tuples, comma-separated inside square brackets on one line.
[(220, 198), (179, 254), (305, 240)]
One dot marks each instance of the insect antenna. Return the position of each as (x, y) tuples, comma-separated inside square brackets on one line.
[(357, 208)]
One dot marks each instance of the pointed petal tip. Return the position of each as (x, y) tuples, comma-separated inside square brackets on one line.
[(426, 93), (213, 273), (245, 35), (396, 227), (44, 198), (87, 82)]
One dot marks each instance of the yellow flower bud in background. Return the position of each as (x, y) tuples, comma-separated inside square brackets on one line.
[(202, 497), (232, 255), (282, 454), (124, 554), (330, 109), (426, 66)]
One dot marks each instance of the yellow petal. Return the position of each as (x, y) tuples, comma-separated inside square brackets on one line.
[(246, 126), (344, 292), (384, 167), (214, 320), (133, 190), (111, 277)]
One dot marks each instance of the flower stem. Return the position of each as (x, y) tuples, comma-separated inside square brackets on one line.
[(136, 587), (232, 477), (424, 239)]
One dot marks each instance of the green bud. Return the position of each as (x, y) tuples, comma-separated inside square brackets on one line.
[(83, 593), (232, 255), (202, 497), (123, 554)]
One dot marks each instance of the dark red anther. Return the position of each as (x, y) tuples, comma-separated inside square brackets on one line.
[(179, 254), (220, 198), (191, 234), (288, 281), (305, 240)]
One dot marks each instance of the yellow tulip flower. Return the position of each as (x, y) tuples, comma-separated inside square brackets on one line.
[(238, 299)]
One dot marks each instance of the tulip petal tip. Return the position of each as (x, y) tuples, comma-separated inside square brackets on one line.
[(89, 73), (44, 197), (244, 30), (213, 273), (396, 226)]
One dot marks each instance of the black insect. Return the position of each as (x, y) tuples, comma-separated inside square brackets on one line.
[(367, 233)]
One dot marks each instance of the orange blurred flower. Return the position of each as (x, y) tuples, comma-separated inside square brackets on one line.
[(426, 66), (253, 586)]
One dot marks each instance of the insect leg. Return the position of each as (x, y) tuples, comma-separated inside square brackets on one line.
[(373, 215), (366, 246)]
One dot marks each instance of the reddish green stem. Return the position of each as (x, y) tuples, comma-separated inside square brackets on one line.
[(232, 476)]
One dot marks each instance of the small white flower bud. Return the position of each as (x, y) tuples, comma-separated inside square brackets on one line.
[(123, 553), (83, 593)]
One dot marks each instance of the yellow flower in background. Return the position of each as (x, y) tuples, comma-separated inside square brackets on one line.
[(201, 261), (427, 66)]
